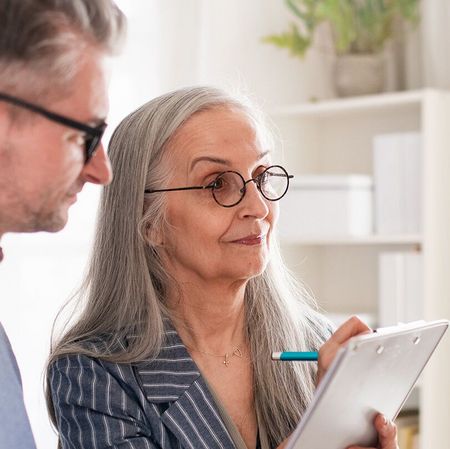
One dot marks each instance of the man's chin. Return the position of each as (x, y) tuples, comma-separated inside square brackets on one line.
[(51, 223), (56, 227)]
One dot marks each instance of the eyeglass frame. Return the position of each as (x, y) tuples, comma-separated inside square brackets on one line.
[(256, 180), (95, 134)]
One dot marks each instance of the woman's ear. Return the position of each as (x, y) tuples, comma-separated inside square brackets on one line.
[(154, 236)]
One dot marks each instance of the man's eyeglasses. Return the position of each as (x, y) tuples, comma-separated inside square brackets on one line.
[(93, 135), (229, 187)]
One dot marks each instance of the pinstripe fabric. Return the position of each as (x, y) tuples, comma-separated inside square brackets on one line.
[(163, 403)]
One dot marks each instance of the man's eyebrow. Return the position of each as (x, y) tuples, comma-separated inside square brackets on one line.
[(217, 160), (97, 121)]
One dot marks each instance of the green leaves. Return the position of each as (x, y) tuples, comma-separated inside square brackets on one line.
[(358, 26), (291, 40), (409, 9), (341, 16), (306, 11)]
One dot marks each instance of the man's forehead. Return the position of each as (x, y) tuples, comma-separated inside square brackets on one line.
[(87, 93)]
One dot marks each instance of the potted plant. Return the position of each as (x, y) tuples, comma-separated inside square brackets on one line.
[(360, 30)]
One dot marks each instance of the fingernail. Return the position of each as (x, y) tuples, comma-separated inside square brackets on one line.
[(385, 421)]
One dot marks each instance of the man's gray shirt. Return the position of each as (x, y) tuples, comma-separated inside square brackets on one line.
[(15, 430)]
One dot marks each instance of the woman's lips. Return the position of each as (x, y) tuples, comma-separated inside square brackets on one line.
[(251, 240)]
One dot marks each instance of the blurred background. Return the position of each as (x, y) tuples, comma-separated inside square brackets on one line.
[(357, 93)]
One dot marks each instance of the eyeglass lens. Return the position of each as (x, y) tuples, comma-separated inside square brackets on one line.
[(229, 187), (92, 142)]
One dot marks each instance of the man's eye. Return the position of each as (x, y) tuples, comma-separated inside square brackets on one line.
[(78, 139)]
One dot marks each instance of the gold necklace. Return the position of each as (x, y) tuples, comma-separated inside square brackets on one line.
[(226, 357)]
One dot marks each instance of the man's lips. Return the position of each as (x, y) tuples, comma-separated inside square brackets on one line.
[(73, 196)]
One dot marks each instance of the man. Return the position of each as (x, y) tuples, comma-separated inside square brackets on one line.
[(53, 103)]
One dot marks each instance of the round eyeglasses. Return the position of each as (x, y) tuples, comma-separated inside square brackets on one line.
[(229, 187)]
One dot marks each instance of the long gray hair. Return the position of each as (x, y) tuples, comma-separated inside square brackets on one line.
[(126, 282)]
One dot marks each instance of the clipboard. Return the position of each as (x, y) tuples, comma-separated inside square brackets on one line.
[(374, 373)]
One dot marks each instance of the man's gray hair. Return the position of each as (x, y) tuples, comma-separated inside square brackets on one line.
[(42, 40)]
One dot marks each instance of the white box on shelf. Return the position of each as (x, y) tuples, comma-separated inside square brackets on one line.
[(321, 206), (340, 318), (397, 182), (400, 287)]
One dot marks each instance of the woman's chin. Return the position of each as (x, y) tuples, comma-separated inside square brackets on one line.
[(250, 271)]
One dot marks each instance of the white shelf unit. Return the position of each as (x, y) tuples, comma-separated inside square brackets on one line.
[(393, 240), (335, 137)]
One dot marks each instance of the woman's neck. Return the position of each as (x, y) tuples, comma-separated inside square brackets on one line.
[(209, 318)]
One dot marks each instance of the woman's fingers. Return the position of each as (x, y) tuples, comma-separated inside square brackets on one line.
[(387, 434), (353, 326)]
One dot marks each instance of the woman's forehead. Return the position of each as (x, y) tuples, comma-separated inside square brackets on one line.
[(219, 132)]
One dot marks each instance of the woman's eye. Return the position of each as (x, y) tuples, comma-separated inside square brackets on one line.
[(219, 183)]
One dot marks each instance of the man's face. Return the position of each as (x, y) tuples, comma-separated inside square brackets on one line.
[(42, 162)]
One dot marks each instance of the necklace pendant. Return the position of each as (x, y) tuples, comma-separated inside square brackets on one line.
[(237, 352)]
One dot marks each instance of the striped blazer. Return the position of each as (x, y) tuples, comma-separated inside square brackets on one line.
[(164, 403)]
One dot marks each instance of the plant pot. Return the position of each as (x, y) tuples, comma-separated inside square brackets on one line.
[(359, 74)]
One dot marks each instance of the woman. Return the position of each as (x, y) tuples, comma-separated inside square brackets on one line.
[(187, 295)]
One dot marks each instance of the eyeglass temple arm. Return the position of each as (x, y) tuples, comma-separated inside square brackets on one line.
[(282, 174), (51, 115), (179, 188), (271, 174)]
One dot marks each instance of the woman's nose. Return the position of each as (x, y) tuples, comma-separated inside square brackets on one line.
[(253, 203)]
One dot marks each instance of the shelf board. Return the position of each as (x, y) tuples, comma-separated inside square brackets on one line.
[(409, 239), (360, 104)]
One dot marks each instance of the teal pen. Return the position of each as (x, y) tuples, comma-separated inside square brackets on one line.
[(311, 356)]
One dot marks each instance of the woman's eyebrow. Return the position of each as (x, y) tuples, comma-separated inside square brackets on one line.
[(217, 160)]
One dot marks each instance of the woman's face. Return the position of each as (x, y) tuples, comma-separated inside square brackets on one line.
[(204, 241)]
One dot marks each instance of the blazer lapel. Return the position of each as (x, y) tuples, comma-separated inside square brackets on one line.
[(174, 379)]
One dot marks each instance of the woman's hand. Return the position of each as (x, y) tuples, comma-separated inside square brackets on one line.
[(387, 431), (387, 434), (353, 326)]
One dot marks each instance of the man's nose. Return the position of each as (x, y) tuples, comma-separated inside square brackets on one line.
[(98, 169)]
